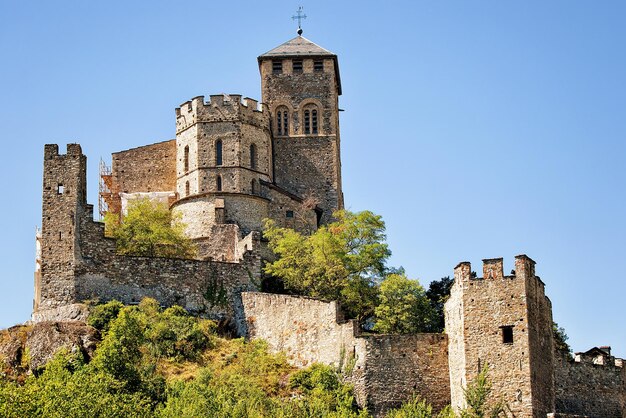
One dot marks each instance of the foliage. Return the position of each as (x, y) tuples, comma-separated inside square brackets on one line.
[(155, 362), (414, 408), (340, 261), (560, 339), (404, 307), (102, 315), (68, 388), (477, 396), (149, 229), (438, 293)]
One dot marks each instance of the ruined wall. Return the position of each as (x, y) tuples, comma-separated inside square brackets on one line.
[(64, 197), (520, 368), (385, 369), (397, 367), (91, 268), (593, 390), (150, 168), (308, 330)]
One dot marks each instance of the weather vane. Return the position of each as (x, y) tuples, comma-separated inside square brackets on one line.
[(299, 16)]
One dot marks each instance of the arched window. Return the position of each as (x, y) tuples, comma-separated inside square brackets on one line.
[(187, 190), (186, 159), (310, 120), (218, 183), (218, 152), (282, 121), (253, 157), (253, 186)]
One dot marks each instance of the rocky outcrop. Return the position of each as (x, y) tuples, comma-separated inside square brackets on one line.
[(29, 347)]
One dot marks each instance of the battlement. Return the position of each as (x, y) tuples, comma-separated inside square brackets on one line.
[(52, 151), (220, 108), (493, 269)]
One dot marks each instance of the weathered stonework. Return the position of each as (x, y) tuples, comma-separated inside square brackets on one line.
[(589, 387), (385, 369), (235, 163), (479, 314), (80, 263)]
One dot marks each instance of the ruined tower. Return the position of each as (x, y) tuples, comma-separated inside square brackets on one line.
[(64, 199), (505, 323), (300, 84)]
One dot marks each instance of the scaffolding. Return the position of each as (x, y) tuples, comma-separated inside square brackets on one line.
[(104, 195)]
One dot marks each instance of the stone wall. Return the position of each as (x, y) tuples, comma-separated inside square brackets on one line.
[(90, 268), (385, 369), (397, 367), (593, 390), (306, 164), (489, 308), (150, 168)]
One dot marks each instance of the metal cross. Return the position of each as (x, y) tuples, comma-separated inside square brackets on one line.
[(299, 16)]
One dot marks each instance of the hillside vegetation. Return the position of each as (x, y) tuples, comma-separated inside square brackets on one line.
[(165, 363)]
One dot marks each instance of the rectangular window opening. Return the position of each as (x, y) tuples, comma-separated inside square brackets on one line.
[(297, 66), (277, 67), (318, 65), (60, 189), (289, 214), (507, 334)]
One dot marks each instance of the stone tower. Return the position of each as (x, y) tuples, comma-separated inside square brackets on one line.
[(223, 155), (301, 86), (504, 322), (64, 198)]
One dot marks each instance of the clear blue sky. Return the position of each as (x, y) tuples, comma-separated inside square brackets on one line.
[(477, 129)]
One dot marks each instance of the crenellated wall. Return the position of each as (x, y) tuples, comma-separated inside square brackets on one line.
[(505, 323)]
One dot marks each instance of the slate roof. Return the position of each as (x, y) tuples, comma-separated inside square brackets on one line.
[(298, 46)]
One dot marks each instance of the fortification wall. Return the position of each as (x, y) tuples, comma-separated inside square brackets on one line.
[(385, 369), (593, 390), (90, 268), (307, 330), (397, 367), (505, 322), (208, 288)]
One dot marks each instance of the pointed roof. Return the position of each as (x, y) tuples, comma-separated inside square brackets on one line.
[(298, 46), (302, 47)]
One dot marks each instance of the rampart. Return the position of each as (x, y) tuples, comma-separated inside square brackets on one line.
[(587, 388), (220, 108), (385, 369), (91, 269)]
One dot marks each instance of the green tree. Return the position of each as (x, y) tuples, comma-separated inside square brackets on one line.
[(478, 398), (438, 293), (404, 307), (342, 261), (560, 339), (149, 229)]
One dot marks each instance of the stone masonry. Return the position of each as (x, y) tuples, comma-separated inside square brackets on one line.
[(233, 164)]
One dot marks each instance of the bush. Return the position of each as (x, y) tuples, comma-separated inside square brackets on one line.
[(101, 316)]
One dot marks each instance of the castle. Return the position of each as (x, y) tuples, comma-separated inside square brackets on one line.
[(234, 163)]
